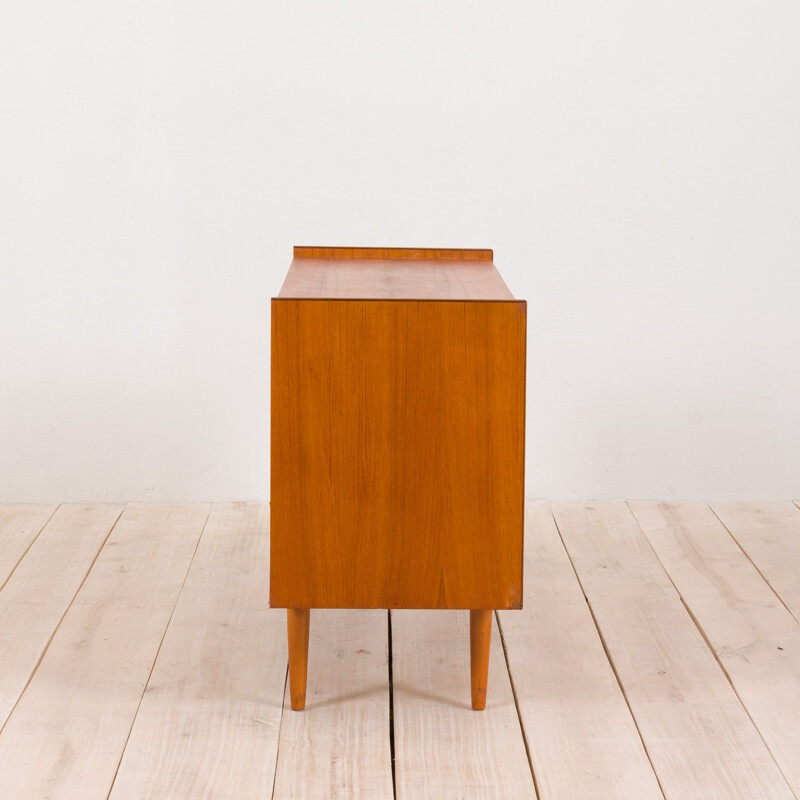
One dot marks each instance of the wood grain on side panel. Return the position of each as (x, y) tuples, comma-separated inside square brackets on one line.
[(397, 453)]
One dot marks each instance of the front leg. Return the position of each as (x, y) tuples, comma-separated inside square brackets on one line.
[(480, 637), (297, 626)]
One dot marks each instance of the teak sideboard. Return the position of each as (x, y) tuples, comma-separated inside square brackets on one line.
[(398, 437)]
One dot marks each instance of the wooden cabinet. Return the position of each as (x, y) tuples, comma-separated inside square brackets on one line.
[(398, 418)]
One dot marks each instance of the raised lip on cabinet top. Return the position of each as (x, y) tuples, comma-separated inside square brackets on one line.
[(394, 273), (395, 253)]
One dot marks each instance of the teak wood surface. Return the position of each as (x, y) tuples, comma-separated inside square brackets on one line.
[(380, 273), (398, 407)]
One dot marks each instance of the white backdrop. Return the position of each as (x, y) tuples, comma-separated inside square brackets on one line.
[(635, 166)]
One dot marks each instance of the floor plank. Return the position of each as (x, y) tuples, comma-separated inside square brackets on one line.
[(41, 588), (67, 733), (770, 535), (338, 746), (699, 737), (581, 737), (208, 724), (209, 720), (755, 638), (444, 749), (19, 526)]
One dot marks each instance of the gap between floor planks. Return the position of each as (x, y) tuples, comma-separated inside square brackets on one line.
[(68, 729), (755, 639)]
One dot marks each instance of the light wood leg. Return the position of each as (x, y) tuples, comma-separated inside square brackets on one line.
[(297, 625), (480, 637)]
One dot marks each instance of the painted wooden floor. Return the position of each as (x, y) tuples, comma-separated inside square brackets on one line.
[(657, 656)]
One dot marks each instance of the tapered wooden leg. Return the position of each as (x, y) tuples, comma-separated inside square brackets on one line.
[(297, 625), (480, 636)]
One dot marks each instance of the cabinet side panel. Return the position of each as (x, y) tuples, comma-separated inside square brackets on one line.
[(397, 453)]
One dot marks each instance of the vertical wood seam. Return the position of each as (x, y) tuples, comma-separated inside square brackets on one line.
[(61, 618), (158, 650), (608, 656), (30, 544), (391, 704), (732, 684), (709, 645), (280, 725), (752, 561), (516, 705)]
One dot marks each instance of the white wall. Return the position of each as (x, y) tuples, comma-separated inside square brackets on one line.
[(635, 166)]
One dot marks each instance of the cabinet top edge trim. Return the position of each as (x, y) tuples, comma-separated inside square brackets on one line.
[(509, 301), (394, 253)]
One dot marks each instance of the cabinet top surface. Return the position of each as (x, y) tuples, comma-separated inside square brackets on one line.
[(393, 274)]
